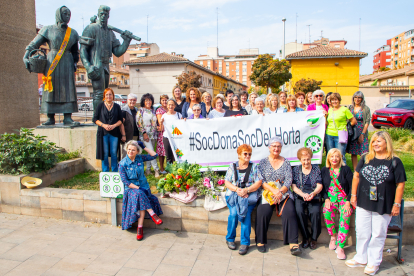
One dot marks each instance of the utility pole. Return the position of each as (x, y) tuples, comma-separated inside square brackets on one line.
[(359, 34), (321, 35), (283, 53), (217, 28), (296, 40), (147, 29), (309, 32)]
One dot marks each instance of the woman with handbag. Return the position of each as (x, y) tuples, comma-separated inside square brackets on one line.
[(337, 182), (306, 186), (377, 191), (276, 173), (242, 182), (336, 121), (362, 114)]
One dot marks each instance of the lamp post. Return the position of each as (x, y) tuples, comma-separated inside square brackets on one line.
[(283, 51)]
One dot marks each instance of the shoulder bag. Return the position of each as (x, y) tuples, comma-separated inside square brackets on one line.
[(253, 196)]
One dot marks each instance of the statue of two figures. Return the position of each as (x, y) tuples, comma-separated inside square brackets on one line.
[(97, 44)]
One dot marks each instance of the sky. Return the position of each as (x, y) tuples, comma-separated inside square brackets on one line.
[(190, 26)]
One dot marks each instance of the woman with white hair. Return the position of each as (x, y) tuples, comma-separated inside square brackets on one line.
[(196, 112), (377, 191), (260, 104), (276, 173), (129, 129), (362, 115), (318, 96), (137, 195)]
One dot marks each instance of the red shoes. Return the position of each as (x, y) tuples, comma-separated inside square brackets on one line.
[(140, 233), (156, 219)]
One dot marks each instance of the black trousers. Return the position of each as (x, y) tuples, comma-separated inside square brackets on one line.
[(168, 150), (289, 221), (309, 210)]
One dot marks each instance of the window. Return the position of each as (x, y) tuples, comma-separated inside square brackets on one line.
[(201, 62), (227, 71), (337, 46), (244, 63), (245, 82), (237, 71), (227, 64), (244, 70), (82, 77)]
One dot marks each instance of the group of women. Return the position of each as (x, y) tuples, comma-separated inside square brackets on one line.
[(373, 192)]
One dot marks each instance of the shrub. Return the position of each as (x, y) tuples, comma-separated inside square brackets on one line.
[(25, 153), (409, 146), (68, 155), (398, 133)]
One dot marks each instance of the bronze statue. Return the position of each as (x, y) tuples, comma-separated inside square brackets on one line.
[(98, 42), (59, 94)]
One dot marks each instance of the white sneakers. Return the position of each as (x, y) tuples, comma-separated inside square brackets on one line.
[(369, 269)]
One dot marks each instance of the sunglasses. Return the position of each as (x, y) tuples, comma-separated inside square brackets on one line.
[(318, 96), (247, 153), (196, 109)]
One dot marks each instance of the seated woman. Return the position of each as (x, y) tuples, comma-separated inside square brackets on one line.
[(260, 104), (235, 108), (137, 194), (277, 169), (242, 181), (307, 185), (337, 182)]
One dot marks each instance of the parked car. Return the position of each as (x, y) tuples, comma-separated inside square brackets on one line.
[(85, 105), (120, 99), (399, 113)]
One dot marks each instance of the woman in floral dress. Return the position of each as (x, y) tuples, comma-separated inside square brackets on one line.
[(160, 144), (337, 182), (147, 127), (362, 114)]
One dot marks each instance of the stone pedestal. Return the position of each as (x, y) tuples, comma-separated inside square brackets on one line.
[(80, 138), (19, 98)]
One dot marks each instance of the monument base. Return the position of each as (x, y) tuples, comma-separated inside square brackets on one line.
[(61, 125)]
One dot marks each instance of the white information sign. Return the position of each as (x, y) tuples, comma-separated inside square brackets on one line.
[(111, 185)]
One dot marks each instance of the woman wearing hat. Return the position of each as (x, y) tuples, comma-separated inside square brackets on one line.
[(137, 195)]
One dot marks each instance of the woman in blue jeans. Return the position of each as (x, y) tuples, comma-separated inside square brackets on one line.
[(336, 121), (242, 181), (108, 117)]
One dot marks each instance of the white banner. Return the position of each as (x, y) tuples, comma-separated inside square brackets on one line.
[(214, 142)]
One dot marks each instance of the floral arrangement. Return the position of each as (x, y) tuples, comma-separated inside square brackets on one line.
[(212, 184), (181, 177)]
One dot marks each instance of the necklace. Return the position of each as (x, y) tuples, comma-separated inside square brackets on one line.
[(109, 106)]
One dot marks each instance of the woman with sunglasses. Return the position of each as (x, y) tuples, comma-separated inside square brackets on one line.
[(318, 96), (196, 112)]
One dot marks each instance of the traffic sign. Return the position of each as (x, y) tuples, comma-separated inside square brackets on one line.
[(111, 185)]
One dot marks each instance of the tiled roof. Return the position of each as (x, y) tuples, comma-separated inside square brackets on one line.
[(408, 70), (163, 57), (325, 52), (167, 58)]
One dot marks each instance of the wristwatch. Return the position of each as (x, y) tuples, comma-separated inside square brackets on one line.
[(397, 205)]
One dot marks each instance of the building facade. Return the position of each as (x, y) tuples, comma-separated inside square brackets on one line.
[(402, 49), (337, 68), (382, 57), (157, 75), (339, 44), (236, 67)]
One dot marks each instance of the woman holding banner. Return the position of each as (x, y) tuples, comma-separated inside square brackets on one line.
[(218, 110), (235, 108), (137, 194), (276, 173), (242, 181), (193, 96), (292, 105), (318, 96), (260, 104), (169, 118)]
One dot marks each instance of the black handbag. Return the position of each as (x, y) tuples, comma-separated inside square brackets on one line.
[(353, 132)]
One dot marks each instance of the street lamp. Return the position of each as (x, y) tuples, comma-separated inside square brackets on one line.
[(283, 54)]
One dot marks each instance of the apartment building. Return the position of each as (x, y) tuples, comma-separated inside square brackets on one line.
[(339, 44), (382, 57), (236, 67), (402, 50)]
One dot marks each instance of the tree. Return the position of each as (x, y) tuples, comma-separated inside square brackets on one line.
[(269, 72), (306, 86), (187, 80), (258, 90), (383, 69)]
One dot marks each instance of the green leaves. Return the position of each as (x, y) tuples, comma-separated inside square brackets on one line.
[(25, 153), (187, 80), (306, 86), (269, 72)]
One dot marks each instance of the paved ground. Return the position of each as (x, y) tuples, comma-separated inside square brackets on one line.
[(40, 246)]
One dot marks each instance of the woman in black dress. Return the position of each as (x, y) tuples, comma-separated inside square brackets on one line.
[(108, 117)]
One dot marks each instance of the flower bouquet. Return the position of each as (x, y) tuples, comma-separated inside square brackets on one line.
[(180, 182), (212, 187)]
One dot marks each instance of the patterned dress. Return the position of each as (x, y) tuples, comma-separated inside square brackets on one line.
[(355, 148), (338, 201), (147, 122), (132, 172), (160, 144)]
